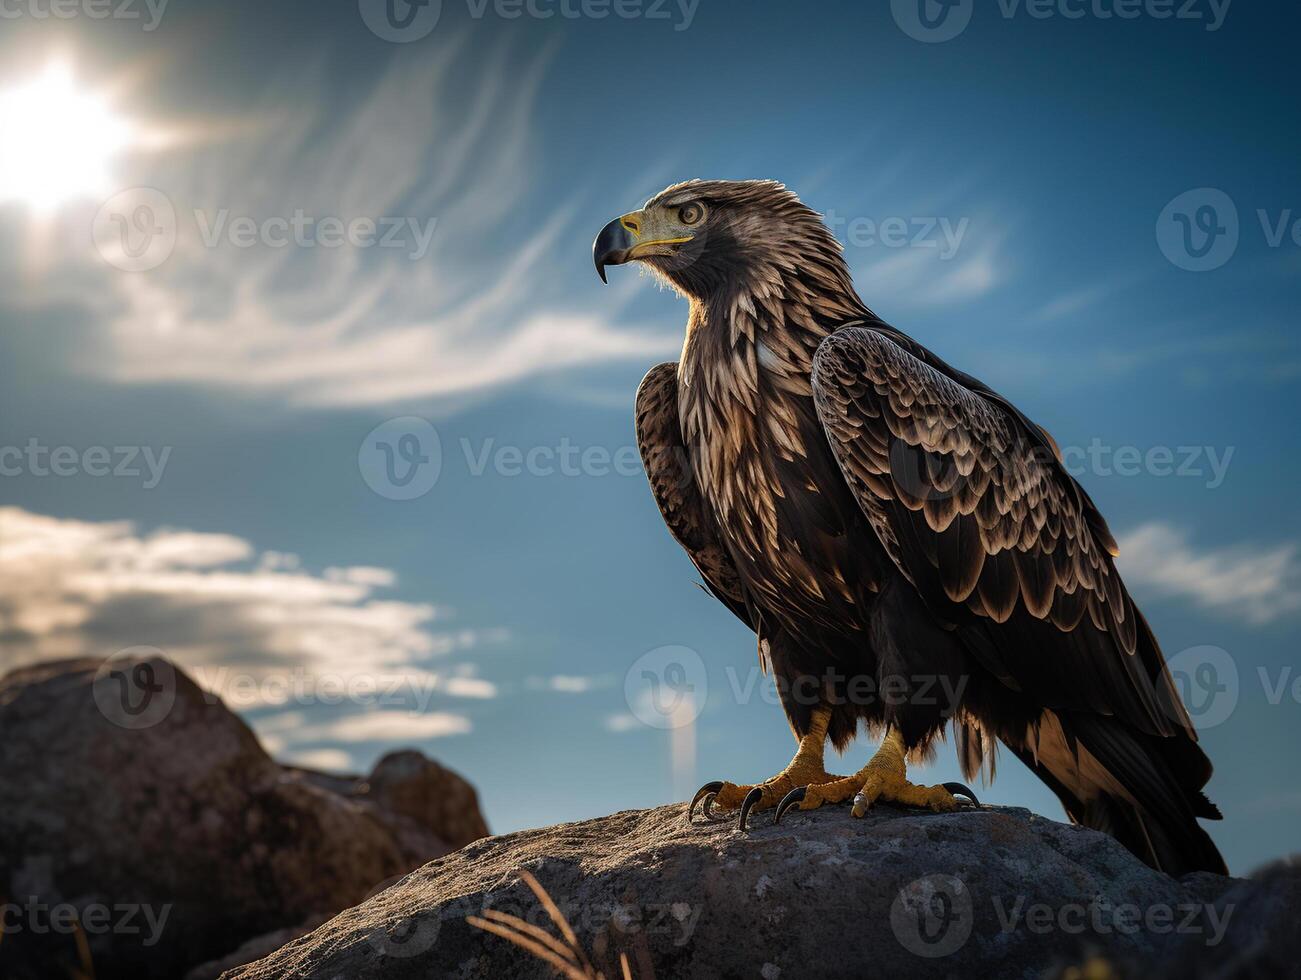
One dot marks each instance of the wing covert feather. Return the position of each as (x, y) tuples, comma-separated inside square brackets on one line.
[(973, 506)]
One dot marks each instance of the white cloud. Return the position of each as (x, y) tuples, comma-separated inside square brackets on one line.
[(335, 760), (469, 687), (256, 629), (567, 683), (385, 726), (1257, 584)]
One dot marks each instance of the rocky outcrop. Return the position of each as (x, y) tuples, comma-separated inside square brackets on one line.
[(156, 828), (409, 784), (989, 892)]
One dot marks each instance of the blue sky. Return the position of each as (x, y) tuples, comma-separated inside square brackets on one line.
[(1010, 196)]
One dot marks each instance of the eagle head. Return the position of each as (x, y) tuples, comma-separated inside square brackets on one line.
[(709, 236)]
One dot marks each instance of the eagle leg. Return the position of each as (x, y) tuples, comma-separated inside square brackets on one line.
[(805, 769), (883, 780)]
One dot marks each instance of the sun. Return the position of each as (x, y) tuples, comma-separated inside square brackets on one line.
[(58, 142)]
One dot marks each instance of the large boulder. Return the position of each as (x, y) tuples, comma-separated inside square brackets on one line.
[(982, 892), (156, 829)]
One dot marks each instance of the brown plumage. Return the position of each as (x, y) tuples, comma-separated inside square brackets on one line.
[(871, 511)]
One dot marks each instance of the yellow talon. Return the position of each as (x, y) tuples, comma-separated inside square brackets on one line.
[(884, 779), (805, 769)]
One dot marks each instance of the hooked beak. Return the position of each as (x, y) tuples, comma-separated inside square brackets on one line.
[(614, 245), (635, 235)]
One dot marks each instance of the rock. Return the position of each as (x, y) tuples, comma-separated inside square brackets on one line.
[(989, 892), (158, 827), (408, 783), (1262, 939), (253, 949)]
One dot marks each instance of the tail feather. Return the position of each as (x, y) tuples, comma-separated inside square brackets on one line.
[(1145, 790)]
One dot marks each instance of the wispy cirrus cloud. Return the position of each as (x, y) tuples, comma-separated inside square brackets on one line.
[(1257, 584), (469, 296)]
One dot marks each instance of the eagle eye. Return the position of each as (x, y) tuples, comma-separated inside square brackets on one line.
[(691, 213)]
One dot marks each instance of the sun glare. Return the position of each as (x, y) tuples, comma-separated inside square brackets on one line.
[(57, 141)]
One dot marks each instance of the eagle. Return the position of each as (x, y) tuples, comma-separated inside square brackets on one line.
[(904, 542)]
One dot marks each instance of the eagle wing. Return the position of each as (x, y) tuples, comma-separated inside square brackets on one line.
[(972, 504), (672, 481)]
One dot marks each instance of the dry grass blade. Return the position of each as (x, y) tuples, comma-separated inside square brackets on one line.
[(563, 967), (554, 912), (87, 971), (567, 957), (537, 932)]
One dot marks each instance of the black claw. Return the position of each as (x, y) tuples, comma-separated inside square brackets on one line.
[(789, 800), (707, 808), (751, 798), (958, 789), (709, 789)]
